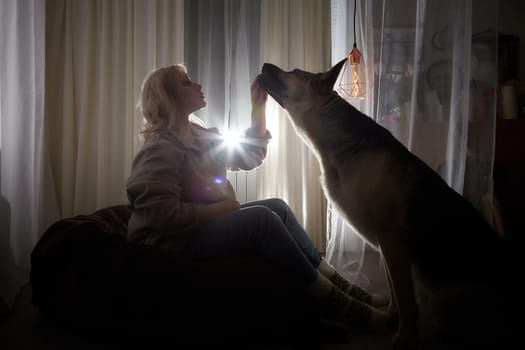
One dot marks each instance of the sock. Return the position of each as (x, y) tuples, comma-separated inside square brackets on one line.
[(349, 288), (321, 287), (340, 308)]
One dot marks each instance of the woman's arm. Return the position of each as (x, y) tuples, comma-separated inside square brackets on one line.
[(155, 189), (251, 150), (259, 98), (213, 211)]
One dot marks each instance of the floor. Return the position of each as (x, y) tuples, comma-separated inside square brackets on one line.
[(25, 329)]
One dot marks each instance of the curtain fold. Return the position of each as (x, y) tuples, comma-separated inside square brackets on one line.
[(432, 78), (24, 211), (222, 55), (294, 34), (104, 49), (227, 43)]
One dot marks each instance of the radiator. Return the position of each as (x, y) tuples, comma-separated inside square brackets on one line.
[(244, 183)]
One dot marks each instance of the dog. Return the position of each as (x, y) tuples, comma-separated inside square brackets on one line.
[(431, 239)]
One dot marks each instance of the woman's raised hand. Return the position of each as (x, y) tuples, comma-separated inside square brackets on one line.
[(259, 95), (259, 98)]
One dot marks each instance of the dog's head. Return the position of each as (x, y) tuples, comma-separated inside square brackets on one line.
[(297, 91)]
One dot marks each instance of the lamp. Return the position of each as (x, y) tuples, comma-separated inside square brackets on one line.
[(353, 80)]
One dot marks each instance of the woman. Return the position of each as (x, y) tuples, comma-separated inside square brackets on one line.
[(182, 200)]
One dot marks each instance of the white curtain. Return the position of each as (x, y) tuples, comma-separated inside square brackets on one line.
[(22, 155), (73, 155), (294, 34), (222, 55), (431, 80), (101, 51), (226, 44)]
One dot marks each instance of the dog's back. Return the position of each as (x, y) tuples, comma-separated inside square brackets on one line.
[(383, 189), (462, 269)]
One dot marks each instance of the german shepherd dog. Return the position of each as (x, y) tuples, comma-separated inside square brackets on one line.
[(431, 239)]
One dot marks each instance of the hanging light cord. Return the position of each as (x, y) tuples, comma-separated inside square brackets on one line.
[(355, 8)]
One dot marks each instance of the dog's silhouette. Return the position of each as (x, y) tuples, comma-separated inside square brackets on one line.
[(432, 240)]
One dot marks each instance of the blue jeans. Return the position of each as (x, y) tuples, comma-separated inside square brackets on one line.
[(266, 228)]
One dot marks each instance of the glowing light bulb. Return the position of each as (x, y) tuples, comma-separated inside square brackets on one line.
[(355, 86), (352, 83)]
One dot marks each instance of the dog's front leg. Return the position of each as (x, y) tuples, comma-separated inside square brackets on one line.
[(398, 268), (392, 306)]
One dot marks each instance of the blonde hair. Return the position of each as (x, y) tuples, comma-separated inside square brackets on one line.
[(156, 102)]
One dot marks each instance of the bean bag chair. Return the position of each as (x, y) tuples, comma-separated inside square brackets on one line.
[(87, 277)]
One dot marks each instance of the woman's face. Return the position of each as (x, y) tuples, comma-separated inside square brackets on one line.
[(187, 94)]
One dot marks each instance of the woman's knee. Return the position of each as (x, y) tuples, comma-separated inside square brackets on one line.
[(278, 205), (268, 222), (259, 213)]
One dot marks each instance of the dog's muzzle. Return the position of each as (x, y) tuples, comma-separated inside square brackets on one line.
[(271, 83)]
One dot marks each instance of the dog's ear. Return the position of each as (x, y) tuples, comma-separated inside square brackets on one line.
[(328, 79)]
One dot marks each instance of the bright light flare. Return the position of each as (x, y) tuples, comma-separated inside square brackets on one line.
[(231, 139)]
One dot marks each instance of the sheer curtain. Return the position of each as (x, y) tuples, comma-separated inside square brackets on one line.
[(431, 75), (69, 127), (294, 34), (22, 155), (101, 50), (222, 55), (227, 43)]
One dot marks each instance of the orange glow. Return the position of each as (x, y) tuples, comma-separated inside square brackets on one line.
[(354, 87), (354, 58), (352, 84)]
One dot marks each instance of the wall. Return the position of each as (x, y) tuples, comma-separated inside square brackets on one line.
[(510, 20), (509, 168)]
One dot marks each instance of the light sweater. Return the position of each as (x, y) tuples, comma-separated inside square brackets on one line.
[(173, 177)]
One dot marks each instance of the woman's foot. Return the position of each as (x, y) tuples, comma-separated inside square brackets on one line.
[(355, 291), (340, 308)]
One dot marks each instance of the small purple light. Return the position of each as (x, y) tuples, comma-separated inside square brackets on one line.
[(218, 180)]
